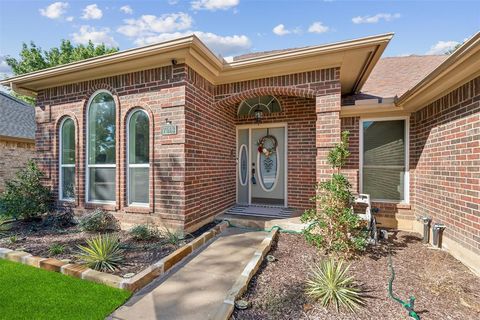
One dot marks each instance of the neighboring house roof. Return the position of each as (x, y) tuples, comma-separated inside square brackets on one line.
[(393, 76), (355, 58), (17, 119)]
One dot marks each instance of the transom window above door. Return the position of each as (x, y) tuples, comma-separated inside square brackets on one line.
[(265, 104)]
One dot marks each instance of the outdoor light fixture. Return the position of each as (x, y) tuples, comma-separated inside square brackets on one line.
[(258, 115)]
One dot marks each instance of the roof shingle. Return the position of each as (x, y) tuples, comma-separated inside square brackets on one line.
[(17, 119)]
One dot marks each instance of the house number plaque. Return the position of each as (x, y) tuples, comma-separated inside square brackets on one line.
[(169, 129)]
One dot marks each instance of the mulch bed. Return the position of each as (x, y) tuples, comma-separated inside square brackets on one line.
[(443, 287), (35, 238)]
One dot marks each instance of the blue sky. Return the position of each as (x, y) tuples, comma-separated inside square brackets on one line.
[(231, 27)]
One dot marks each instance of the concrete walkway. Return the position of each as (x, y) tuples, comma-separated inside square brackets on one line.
[(198, 286)]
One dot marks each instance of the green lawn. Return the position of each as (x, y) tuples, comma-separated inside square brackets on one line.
[(30, 293)]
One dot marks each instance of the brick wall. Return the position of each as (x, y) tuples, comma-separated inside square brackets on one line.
[(161, 92), (445, 163), (13, 156)]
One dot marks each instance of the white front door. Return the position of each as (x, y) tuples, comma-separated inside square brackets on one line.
[(261, 165)]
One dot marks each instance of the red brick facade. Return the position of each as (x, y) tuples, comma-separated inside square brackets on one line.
[(192, 173), (445, 163)]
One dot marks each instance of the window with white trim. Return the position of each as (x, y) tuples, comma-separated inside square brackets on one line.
[(138, 158), (67, 160), (101, 155), (384, 159)]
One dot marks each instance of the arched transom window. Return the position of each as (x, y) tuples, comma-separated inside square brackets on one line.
[(138, 158), (265, 104), (66, 190), (101, 155)]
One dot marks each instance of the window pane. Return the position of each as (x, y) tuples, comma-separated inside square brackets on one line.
[(101, 130), (138, 185), (384, 183), (68, 142), (138, 138), (384, 159), (102, 184), (68, 182)]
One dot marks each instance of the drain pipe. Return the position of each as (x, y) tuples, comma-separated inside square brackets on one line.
[(437, 234), (426, 228)]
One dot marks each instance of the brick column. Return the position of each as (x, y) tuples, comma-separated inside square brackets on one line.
[(328, 129)]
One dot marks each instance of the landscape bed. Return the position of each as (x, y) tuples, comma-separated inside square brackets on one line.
[(29, 293), (442, 286)]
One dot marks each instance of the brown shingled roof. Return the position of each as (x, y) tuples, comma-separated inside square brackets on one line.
[(393, 76)]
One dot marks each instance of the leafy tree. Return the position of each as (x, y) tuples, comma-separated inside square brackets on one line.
[(24, 196), (333, 226), (458, 45), (33, 58)]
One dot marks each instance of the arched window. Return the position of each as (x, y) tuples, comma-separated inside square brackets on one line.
[(101, 155), (138, 158), (265, 104), (66, 190)]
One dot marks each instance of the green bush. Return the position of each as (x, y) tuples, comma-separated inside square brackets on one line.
[(98, 221), (25, 197), (143, 232), (56, 249), (102, 253), (333, 226), (330, 284), (172, 237)]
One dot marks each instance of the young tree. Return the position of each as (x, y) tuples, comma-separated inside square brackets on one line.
[(333, 226), (33, 58)]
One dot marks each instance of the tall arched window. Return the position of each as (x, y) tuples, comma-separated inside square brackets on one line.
[(101, 155), (138, 158), (66, 190)]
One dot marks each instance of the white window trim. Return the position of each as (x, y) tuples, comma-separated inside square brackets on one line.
[(406, 182), (136, 165), (61, 165), (87, 165)]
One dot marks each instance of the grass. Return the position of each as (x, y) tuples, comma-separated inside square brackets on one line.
[(30, 293)]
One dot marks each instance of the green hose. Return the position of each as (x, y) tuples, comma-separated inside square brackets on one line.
[(407, 305)]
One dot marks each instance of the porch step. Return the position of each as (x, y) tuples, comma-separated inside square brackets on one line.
[(260, 211)]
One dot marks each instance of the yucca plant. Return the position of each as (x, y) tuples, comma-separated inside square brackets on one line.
[(102, 253), (330, 284)]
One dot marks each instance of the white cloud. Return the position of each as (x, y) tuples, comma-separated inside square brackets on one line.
[(92, 12), (213, 5), (376, 18), (280, 30), (126, 9), (442, 47), (69, 19), (55, 10), (223, 45), (99, 36), (318, 27), (5, 70), (148, 25)]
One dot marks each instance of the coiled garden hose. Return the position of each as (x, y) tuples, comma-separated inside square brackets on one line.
[(407, 305)]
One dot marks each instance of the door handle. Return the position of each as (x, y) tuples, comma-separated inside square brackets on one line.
[(254, 180)]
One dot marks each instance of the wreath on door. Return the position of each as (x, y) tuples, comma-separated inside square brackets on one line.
[(267, 145)]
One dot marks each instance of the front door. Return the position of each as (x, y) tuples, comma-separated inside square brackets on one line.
[(261, 173)]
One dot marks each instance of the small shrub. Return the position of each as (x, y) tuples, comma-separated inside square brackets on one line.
[(4, 227), (172, 237), (333, 226), (98, 221), (56, 249), (143, 232), (330, 284), (13, 239), (102, 253), (25, 197), (62, 219)]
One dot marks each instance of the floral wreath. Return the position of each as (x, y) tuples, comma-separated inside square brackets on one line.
[(263, 149)]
